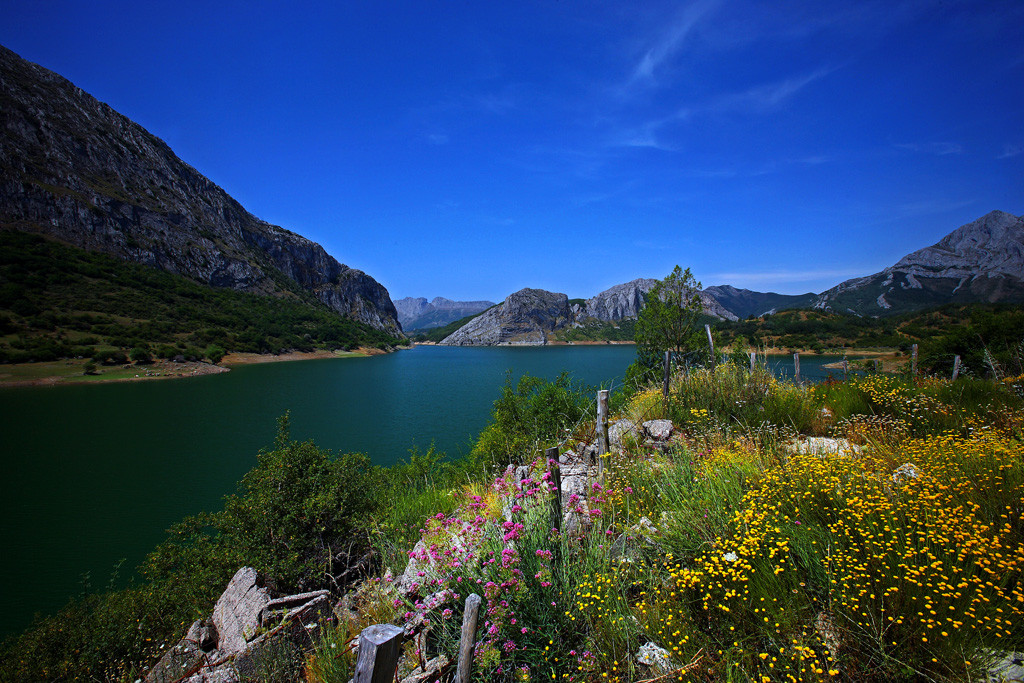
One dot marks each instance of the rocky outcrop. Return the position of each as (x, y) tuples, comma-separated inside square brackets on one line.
[(420, 314), (625, 301), (247, 625), (73, 169), (525, 317), (982, 261), (530, 315), (619, 302)]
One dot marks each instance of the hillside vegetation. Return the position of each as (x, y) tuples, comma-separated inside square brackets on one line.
[(58, 301), (899, 558)]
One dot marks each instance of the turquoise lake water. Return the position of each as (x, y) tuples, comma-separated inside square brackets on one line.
[(95, 473)]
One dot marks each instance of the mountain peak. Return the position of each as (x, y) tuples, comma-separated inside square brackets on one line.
[(980, 261)]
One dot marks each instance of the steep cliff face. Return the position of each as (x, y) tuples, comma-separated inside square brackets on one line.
[(420, 314), (525, 317), (73, 169), (625, 301), (982, 261), (619, 302)]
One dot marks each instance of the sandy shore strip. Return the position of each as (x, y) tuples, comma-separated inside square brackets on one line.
[(72, 371)]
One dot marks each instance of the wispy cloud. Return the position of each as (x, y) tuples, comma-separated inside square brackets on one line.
[(768, 277), (936, 148), (437, 139), (761, 99), (670, 41), (1010, 151), (766, 97)]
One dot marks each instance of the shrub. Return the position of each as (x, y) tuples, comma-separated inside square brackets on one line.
[(214, 353)]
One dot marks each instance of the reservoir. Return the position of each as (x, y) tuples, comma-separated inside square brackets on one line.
[(96, 473)]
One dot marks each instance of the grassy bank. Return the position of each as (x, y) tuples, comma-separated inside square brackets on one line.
[(741, 558)]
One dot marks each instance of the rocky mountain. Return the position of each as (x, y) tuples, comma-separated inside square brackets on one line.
[(625, 301), (530, 315), (620, 301), (982, 261), (744, 302), (419, 314), (525, 317), (75, 170)]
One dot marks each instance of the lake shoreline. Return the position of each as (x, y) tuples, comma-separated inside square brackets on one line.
[(71, 371)]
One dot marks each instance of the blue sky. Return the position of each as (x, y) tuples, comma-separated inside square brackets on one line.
[(469, 149)]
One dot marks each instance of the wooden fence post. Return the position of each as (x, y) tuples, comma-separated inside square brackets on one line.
[(666, 373), (555, 470), (753, 357), (876, 366), (711, 345), (913, 360), (602, 423), (468, 641), (846, 368), (956, 367), (796, 368), (379, 647)]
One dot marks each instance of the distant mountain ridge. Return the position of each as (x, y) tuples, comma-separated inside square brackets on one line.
[(530, 316), (419, 314), (75, 170), (744, 302), (981, 261)]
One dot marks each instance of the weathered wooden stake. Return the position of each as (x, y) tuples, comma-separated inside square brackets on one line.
[(846, 368), (468, 641), (796, 368), (602, 432), (753, 357), (876, 365), (956, 367), (379, 647), (556, 482), (913, 360), (711, 345), (602, 424), (666, 373)]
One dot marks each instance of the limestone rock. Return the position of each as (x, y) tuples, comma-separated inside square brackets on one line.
[(657, 658), (659, 430), (620, 428), (1008, 668), (619, 302), (820, 445), (524, 318), (905, 472)]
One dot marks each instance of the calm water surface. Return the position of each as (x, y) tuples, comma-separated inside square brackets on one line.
[(96, 473)]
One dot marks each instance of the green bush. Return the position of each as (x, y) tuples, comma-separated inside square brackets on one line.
[(532, 414), (214, 353)]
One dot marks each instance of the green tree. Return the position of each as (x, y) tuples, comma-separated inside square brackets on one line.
[(667, 321)]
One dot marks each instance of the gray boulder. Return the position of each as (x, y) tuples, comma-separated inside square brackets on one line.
[(619, 429), (659, 430)]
